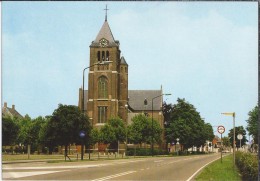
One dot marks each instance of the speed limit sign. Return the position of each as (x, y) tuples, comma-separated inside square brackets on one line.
[(221, 129)]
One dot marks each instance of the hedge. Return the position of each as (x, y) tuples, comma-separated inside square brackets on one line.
[(247, 164)]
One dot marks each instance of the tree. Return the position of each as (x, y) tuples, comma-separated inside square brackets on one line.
[(179, 129), (252, 124), (64, 126), (25, 137), (112, 132), (239, 130), (143, 130), (119, 129), (35, 129), (186, 124), (10, 130), (226, 141)]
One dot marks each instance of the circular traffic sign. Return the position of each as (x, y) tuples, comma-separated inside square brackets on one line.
[(221, 129), (240, 136), (82, 134)]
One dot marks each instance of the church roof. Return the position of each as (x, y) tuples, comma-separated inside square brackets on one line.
[(123, 61), (137, 97), (105, 32), (136, 100)]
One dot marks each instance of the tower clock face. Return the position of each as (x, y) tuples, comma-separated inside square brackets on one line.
[(103, 42)]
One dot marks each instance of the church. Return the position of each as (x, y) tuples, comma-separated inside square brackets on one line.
[(108, 94)]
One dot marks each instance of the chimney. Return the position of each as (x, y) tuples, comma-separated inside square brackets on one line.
[(5, 104), (13, 107)]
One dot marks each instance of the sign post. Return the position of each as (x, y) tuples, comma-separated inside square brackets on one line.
[(221, 130), (82, 135), (240, 137)]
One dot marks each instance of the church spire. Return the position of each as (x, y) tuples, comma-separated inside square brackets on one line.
[(106, 13)]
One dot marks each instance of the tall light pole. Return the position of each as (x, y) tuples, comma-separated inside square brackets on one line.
[(83, 100), (152, 117), (234, 134)]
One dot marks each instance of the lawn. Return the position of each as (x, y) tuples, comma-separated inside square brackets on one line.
[(32, 157), (217, 171)]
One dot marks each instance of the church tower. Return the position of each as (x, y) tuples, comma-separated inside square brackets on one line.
[(107, 80)]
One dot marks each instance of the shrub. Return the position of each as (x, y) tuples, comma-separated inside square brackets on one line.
[(247, 164)]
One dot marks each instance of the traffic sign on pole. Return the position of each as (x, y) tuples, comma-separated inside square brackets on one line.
[(221, 129)]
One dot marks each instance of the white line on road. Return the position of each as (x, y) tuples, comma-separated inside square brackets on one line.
[(201, 169), (9, 175), (114, 176), (158, 161)]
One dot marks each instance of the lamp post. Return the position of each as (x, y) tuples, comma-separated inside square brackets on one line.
[(83, 101), (233, 114), (152, 117)]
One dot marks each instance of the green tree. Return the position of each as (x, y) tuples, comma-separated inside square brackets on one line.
[(252, 123), (226, 141), (107, 134), (186, 124), (179, 129), (111, 133), (94, 136), (239, 130), (35, 129), (10, 130), (25, 137), (119, 129), (144, 130), (64, 126)]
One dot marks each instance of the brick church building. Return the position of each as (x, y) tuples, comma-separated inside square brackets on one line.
[(108, 94)]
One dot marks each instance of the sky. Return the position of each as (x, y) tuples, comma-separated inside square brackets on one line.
[(205, 52)]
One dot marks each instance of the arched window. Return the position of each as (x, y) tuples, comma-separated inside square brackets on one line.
[(102, 88), (107, 56), (98, 56), (102, 114), (103, 56)]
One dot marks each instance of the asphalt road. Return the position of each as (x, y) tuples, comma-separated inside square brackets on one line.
[(156, 168)]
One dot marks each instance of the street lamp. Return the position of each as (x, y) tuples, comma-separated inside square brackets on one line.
[(234, 135), (152, 117), (83, 104)]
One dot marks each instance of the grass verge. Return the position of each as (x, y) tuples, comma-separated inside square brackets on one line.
[(220, 171), (32, 157)]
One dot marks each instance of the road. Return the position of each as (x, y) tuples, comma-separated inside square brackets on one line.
[(155, 168)]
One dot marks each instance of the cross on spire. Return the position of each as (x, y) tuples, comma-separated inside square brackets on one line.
[(106, 12)]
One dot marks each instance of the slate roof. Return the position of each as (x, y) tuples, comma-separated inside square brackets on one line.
[(105, 32), (137, 97), (136, 100), (7, 111), (123, 61)]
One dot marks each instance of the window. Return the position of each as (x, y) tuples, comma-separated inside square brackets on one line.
[(103, 56), (107, 56), (102, 114), (102, 87), (98, 55)]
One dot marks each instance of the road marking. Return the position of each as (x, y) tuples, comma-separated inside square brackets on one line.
[(201, 169), (158, 161), (56, 167), (114, 176), (8, 175)]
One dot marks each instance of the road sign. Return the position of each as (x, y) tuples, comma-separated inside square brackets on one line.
[(221, 129), (240, 136), (82, 134)]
